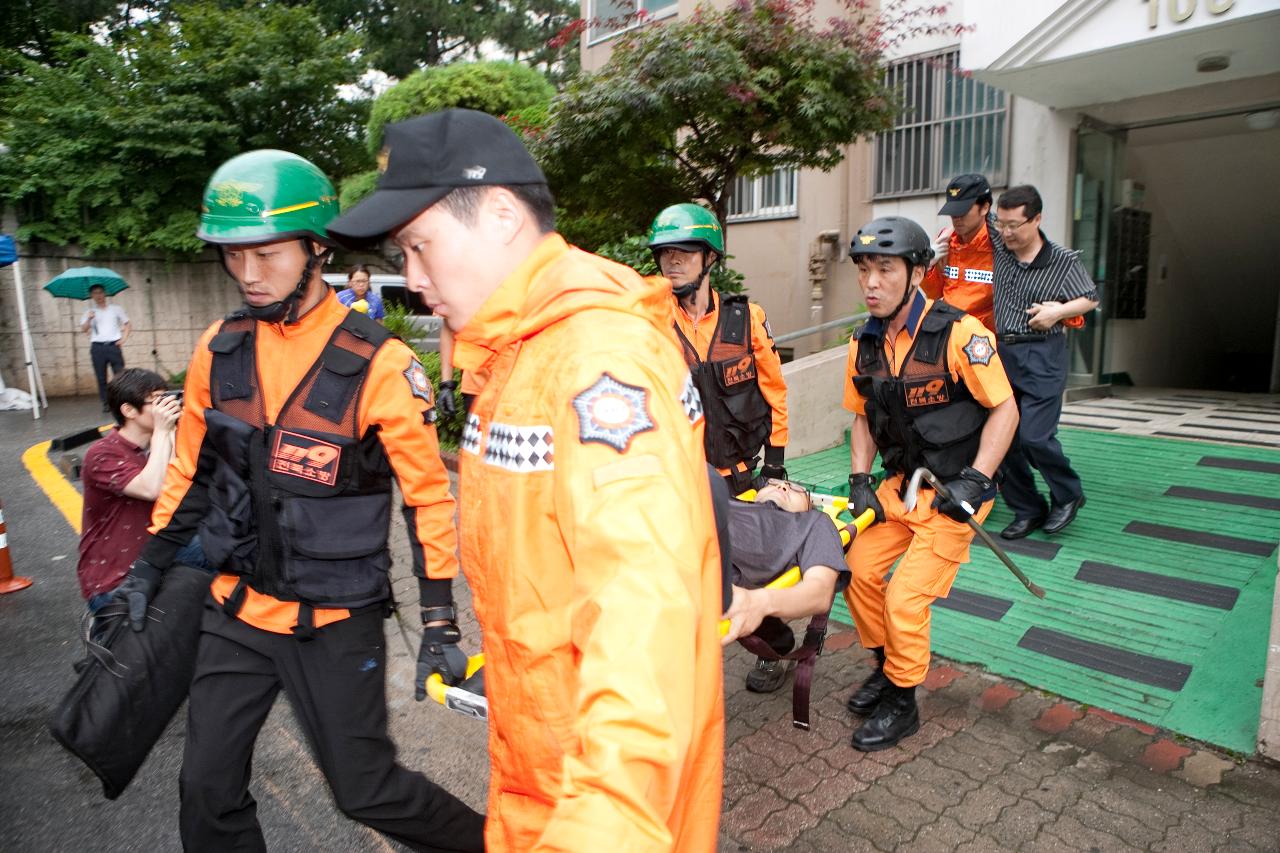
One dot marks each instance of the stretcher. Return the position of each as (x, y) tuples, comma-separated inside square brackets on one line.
[(468, 696)]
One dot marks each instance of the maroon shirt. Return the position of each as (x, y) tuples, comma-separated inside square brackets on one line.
[(114, 525)]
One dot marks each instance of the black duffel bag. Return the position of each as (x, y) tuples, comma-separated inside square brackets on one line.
[(133, 682)]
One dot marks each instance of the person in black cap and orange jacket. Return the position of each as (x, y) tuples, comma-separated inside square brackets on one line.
[(298, 413), (587, 531), (962, 271)]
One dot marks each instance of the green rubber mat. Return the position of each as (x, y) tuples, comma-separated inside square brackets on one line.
[(1158, 597)]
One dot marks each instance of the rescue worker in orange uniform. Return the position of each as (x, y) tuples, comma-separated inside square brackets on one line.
[(297, 414), (927, 389), (962, 271), (729, 347), (587, 531)]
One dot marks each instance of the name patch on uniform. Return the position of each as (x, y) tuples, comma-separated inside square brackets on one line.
[(612, 412), (741, 370), (979, 349), (929, 393), (305, 457), (419, 383)]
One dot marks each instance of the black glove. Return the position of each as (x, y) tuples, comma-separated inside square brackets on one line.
[(862, 496), (445, 400), (136, 590), (440, 653), (772, 472), (968, 492)]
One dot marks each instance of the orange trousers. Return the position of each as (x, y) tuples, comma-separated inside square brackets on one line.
[(894, 613)]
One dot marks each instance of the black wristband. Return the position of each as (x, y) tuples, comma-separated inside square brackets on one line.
[(774, 455), (862, 479), (451, 384), (447, 613), (435, 592), (145, 571)]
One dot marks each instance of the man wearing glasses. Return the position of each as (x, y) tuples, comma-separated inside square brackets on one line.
[(1039, 285)]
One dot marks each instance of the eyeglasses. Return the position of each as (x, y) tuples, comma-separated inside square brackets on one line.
[(790, 486), (1007, 227)]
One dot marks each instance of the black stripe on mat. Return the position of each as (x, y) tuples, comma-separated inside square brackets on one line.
[(1249, 418), (1026, 547), (1232, 498), (1233, 428), (1092, 413), (1217, 541), (1084, 425), (1202, 398), (1195, 592), (1145, 669), (976, 604), (1240, 464)]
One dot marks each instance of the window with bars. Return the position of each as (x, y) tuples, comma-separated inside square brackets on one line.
[(770, 196), (610, 17), (948, 124)]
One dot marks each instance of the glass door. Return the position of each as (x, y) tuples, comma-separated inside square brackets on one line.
[(1099, 159)]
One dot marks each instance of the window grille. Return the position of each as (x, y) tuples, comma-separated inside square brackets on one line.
[(610, 17), (771, 196)]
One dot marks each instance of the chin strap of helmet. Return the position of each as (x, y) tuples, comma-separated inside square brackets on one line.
[(286, 309), (906, 297)]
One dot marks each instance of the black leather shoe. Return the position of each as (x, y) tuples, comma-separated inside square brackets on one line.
[(896, 717), (1022, 526), (865, 699), (1060, 516)]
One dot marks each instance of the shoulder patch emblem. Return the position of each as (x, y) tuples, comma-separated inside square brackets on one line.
[(979, 349), (419, 382), (691, 399), (612, 412)]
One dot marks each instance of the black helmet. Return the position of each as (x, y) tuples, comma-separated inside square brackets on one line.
[(893, 235)]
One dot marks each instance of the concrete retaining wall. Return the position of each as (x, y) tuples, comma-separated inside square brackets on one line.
[(815, 391)]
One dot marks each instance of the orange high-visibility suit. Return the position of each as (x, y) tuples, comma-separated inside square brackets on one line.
[(895, 614), (589, 543), (965, 277), (285, 353), (768, 363)]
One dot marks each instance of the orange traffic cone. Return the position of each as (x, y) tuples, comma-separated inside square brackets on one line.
[(8, 583)]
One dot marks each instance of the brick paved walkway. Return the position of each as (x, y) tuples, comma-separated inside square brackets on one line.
[(995, 766)]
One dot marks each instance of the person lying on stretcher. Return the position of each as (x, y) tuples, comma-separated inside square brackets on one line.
[(774, 531)]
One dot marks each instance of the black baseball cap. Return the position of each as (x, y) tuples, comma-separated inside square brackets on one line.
[(962, 192), (423, 159)]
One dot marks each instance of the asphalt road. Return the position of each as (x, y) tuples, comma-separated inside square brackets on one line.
[(51, 802)]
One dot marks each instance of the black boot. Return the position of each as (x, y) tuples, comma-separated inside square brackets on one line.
[(895, 718), (865, 699)]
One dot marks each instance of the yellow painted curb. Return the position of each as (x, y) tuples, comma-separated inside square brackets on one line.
[(56, 487)]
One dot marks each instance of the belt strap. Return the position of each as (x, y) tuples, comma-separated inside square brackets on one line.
[(235, 600), (1020, 338), (305, 630), (805, 657)]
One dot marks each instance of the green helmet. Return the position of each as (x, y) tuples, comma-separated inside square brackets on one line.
[(687, 226), (266, 195)]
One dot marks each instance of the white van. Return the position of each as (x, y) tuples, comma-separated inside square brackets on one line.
[(393, 292)]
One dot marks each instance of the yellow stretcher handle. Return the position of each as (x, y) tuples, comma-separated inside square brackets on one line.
[(436, 687), (791, 576)]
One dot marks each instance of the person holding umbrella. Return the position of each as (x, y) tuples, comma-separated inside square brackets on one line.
[(108, 328)]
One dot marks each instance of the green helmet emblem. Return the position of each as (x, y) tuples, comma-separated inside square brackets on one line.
[(264, 196), (687, 224)]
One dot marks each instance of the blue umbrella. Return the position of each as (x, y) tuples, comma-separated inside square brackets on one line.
[(75, 284)]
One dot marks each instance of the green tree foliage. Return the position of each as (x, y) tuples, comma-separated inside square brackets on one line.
[(30, 26), (634, 252), (683, 108), (496, 88), (112, 144)]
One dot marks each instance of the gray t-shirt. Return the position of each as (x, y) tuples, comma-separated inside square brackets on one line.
[(766, 540)]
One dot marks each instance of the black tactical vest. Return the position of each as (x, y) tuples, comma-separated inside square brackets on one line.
[(921, 417), (738, 418), (301, 508)]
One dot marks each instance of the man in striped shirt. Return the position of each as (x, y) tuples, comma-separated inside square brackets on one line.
[(1038, 285)]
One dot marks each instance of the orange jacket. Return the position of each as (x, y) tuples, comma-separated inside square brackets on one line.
[(768, 364), (285, 354), (589, 544), (965, 277)]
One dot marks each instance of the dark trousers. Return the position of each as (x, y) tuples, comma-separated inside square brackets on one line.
[(336, 685), (1038, 373), (104, 355)]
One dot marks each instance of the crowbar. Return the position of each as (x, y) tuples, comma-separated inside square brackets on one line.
[(909, 502)]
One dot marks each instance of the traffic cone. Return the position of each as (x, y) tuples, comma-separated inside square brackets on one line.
[(8, 583)]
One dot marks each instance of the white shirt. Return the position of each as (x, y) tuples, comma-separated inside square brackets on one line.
[(107, 323)]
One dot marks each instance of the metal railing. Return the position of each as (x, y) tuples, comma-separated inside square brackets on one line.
[(821, 327)]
